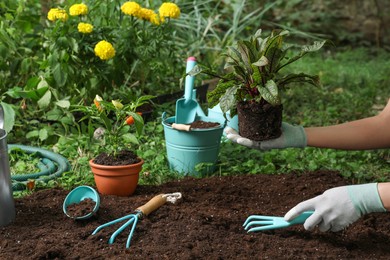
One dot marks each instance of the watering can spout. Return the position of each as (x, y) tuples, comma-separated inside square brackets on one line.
[(7, 207)]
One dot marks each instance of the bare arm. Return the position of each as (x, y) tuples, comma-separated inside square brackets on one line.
[(384, 193), (368, 133)]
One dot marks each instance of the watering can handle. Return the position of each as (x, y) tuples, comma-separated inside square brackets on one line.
[(152, 205), (1, 117)]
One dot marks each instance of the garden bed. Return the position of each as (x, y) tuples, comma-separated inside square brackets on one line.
[(205, 224)]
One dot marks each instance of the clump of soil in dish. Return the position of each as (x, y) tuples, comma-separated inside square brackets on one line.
[(81, 209), (205, 224), (124, 157)]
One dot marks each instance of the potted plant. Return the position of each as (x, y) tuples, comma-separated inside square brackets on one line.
[(254, 82), (116, 168)]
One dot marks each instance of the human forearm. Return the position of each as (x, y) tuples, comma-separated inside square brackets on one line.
[(368, 133), (384, 194)]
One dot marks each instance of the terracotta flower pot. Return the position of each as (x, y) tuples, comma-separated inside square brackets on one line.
[(116, 180)]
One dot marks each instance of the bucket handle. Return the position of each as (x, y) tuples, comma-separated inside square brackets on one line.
[(164, 116), (1, 117)]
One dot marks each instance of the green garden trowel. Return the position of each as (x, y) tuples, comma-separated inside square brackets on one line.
[(187, 107)]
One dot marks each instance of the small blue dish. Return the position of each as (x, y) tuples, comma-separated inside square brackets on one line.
[(79, 194)]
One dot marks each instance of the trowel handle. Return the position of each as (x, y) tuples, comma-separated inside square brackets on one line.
[(181, 127), (153, 204), (189, 83)]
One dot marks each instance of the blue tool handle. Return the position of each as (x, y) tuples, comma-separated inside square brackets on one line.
[(301, 218), (189, 83)]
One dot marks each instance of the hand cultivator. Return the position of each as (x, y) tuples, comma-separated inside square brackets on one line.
[(261, 223), (132, 219)]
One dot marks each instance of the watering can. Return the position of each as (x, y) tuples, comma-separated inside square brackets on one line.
[(7, 206)]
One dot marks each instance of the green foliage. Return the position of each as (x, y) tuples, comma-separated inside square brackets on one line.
[(144, 51), (46, 68), (112, 121), (254, 67), (22, 162), (355, 85), (207, 27)]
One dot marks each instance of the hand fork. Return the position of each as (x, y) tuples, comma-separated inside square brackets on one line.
[(139, 213), (259, 223)]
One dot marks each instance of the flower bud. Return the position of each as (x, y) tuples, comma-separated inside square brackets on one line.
[(118, 105)]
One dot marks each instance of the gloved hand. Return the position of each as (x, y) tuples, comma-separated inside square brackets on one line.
[(292, 136), (339, 207)]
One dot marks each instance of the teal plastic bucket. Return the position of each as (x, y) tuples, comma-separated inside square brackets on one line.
[(216, 112), (185, 150)]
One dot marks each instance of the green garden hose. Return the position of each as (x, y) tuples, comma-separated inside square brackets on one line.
[(46, 167), (61, 165)]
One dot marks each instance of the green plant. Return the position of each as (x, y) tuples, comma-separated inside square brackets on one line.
[(111, 122), (102, 45), (255, 71), (22, 162), (210, 25)]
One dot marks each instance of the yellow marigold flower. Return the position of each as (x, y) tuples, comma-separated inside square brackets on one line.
[(104, 50), (85, 27), (145, 14), (155, 19), (51, 15), (170, 10), (57, 14), (118, 105), (78, 9), (131, 8)]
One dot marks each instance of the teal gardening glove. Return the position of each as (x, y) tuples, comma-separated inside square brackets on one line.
[(339, 207), (292, 136)]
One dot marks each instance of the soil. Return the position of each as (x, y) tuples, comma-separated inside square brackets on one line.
[(203, 124), (124, 157), (81, 209), (259, 121), (199, 124), (206, 223)]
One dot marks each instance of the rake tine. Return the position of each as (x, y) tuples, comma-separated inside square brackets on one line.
[(257, 217), (131, 233), (262, 222), (109, 223), (262, 228), (119, 230)]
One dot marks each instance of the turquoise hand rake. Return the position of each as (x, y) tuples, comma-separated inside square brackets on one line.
[(256, 223), (132, 219)]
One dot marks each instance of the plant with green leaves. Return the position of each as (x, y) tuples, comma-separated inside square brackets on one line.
[(254, 71), (93, 47), (112, 123)]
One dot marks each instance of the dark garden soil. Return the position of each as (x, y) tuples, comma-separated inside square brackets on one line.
[(203, 124), (205, 224), (124, 157), (80, 209), (259, 121)]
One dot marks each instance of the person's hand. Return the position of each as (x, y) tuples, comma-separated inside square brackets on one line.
[(292, 136), (339, 207)]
